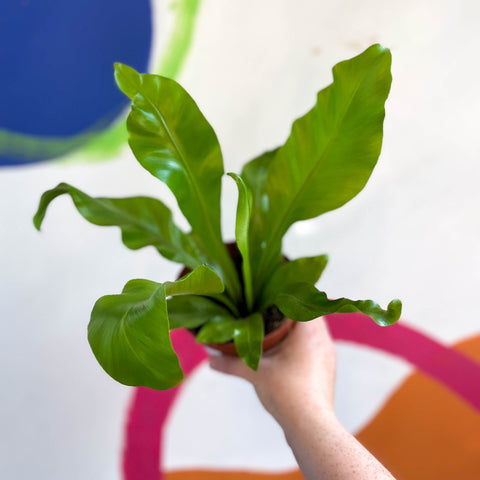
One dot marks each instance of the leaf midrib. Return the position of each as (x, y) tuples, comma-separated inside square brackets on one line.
[(190, 176), (132, 220)]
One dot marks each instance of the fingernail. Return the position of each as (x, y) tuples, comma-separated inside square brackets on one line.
[(212, 352)]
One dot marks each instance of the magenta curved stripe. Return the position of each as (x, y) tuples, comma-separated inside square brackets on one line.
[(150, 408), (453, 369)]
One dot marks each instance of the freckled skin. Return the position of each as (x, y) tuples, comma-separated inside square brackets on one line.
[(295, 382)]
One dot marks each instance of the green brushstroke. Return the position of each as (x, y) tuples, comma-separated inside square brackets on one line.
[(105, 144), (24, 147), (108, 143), (181, 39)]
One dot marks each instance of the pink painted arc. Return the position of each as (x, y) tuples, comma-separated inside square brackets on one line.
[(150, 408), (447, 366), (148, 413)]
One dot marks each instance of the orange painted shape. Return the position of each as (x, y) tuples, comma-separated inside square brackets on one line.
[(425, 432), (231, 475)]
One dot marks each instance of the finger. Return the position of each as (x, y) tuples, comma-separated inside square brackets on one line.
[(313, 333), (317, 327), (321, 324)]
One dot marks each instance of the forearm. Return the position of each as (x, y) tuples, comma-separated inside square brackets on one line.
[(296, 385), (326, 451)]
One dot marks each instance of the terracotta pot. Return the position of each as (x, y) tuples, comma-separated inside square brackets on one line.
[(271, 339)]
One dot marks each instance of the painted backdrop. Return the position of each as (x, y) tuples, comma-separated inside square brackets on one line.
[(411, 393)]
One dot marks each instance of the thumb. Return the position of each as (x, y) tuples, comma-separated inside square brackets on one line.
[(230, 365)]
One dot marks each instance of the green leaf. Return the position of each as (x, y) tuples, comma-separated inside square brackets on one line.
[(248, 338), (171, 139), (192, 311), (331, 150), (219, 329), (143, 221), (306, 269), (201, 281), (303, 302), (247, 333), (254, 174), (127, 79), (242, 225), (129, 333)]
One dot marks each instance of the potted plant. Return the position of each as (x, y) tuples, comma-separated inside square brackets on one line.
[(325, 162)]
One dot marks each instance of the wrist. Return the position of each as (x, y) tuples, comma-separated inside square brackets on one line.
[(304, 414)]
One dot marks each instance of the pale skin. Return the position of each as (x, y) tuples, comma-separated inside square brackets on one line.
[(295, 382)]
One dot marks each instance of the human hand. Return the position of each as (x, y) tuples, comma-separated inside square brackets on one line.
[(298, 371)]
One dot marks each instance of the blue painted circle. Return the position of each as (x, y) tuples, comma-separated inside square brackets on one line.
[(56, 62)]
